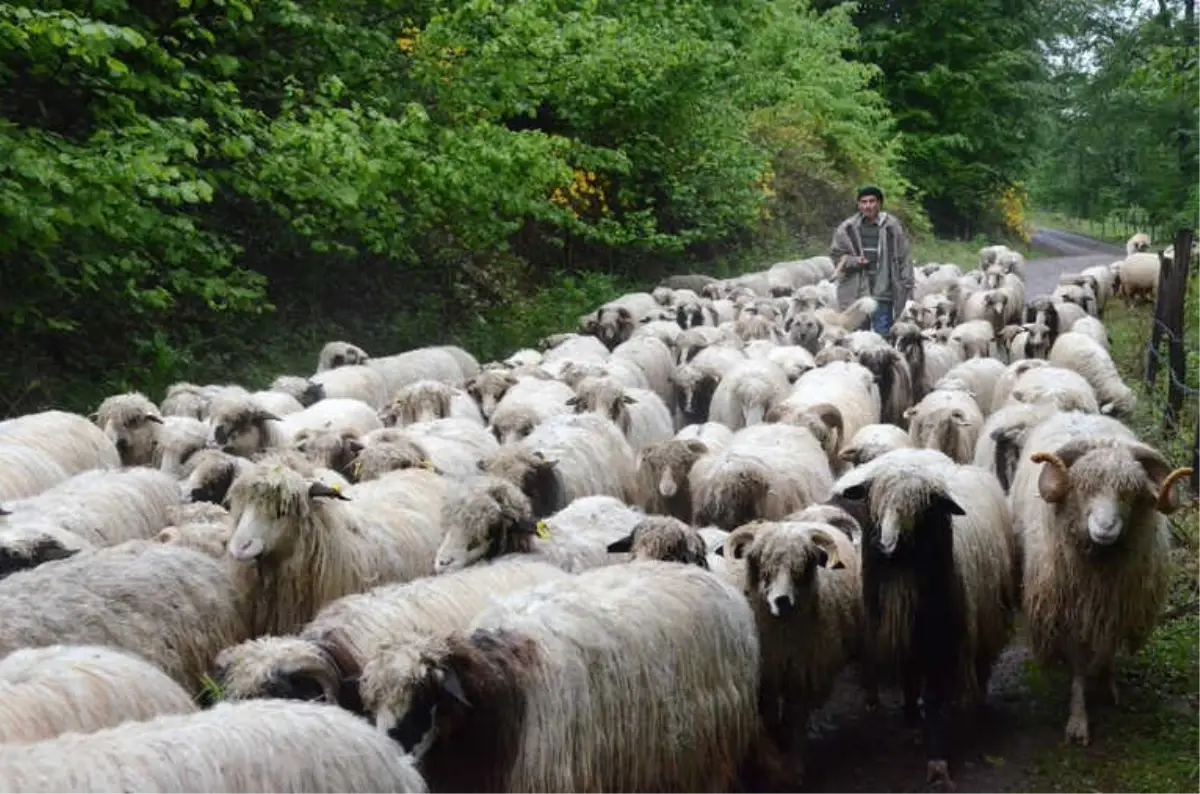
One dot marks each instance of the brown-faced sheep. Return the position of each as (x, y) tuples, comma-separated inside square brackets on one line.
[(663, 469), (1089, 500), (569, 665), (298, 544), (766, 472), (54, 689), (939, 589), (565, 458)]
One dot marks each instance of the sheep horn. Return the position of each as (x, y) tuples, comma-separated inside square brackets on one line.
[(1166, 505), (825, 542), (1052, 484)]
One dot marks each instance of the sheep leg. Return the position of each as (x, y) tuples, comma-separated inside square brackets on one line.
[(1077, 723), (937, 730)]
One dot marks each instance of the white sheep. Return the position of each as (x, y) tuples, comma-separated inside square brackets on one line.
[(252, 746), (767, 472), (304, 390), (1028, 341), (890, 370), (696, 379), (298, 544), (1064, 388), (746, 393), (1089, 501), (333, 657), (354, 382), (927, 360), (526, 404), (871, 441), (1079, 352), (54, 689), (1138, 243), (1004, 386), (565, 682), (974, 337), (947, 419), (427, 400), (26, 471), (174, 606), (980, 376), (938, 579), (1092, 328), (833, 401), (1078, 295), (240, 426), (642, 416), (615, 321), (999, 446), (652, 357)]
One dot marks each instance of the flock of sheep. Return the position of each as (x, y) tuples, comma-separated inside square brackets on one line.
[(633, 560)]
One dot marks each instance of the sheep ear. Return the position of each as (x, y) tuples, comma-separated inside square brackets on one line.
[(452, 686), (4, 512), (264, 415), (621, 546), (697, 446), (544, 462), (628, 400), (827, 546), (158, 420), (574, 402), (947, 505), (320, 489), (858, 492)]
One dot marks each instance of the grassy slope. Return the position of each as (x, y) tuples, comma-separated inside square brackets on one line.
[(1149, 742)]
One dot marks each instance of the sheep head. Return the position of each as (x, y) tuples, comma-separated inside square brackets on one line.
[(304, 390), (905, 497), (288, 668), (1105, 484), (270, 507), (340, 354), (423, 401), (238, 425), (805, 330), (485, 517), (663, 538), (132, 423), (332, 449), (488, 387), (663, 468), (781, 564)]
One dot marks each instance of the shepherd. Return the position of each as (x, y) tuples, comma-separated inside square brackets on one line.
[(870, 250)]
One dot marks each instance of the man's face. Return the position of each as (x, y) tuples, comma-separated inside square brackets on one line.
[(869, 207)]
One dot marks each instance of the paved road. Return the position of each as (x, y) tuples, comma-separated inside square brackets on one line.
[(1071, 253)]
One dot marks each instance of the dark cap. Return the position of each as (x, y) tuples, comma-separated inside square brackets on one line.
[(870, 190)]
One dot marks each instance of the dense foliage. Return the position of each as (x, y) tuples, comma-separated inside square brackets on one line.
[(183, 181), (1122, 143)]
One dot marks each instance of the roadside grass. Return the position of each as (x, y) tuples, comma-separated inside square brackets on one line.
[(964, 253), (1150, 741)]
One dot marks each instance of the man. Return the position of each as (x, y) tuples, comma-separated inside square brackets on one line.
[(870, 250)]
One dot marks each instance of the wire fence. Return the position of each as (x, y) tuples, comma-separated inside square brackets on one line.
[(1169, 330)]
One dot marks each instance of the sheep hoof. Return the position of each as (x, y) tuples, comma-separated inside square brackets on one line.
[(1077, 730), (937, 774)]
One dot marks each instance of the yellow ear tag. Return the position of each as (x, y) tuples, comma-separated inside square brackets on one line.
[(543, 531), (356, 470), (336, 488)]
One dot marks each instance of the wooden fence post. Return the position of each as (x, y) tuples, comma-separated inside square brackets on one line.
[(1177, 294)]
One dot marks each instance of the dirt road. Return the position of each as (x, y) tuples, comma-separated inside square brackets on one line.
[(852, 750)]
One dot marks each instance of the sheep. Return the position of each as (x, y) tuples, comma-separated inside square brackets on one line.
[(803, 584), (766, 472), (690, 281), (665, 331), (871, 441), (927, 361), (179, 439), (1043, 310), (1093, 328), (947, 419), (1080, 296), (938, 583), (240, 426), (1014, 287), (556, 688), (1031, 340), (70, 440), (1068, 315), (832, 401), (890, 370), (565, 458), (130, 421), (1012, 262), (173, 606), (448, 446), (692, 311), (1138, 243), (746, 393), (615, 321), (353, 382), (185, 399), (304, 390), (574, 348), (640, 414), (663, 467), (1103, 279), (102, 507), (252, 746), (1058, 386), (989, 254), (487, 517), (340, 354), (427, 400), (980, 376), (663, 538), (333, 657), (1003, 435), (447, 364), (1079, 352), (695, 340), (298, 544), (1004, 385), (652, 357), (622, 372), (54, 689), (793, 360), (994, 307), (207, 535), (974, 337), (1089, 501), (525, 357), (696, 380), (26, 471), (467, 363)]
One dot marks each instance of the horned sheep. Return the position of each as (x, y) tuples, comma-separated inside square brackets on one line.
[(766, 472), (1089, 501), (332, 656), (298, 544), (54, 689), (252, 746), (938, 582), (564, 665)]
